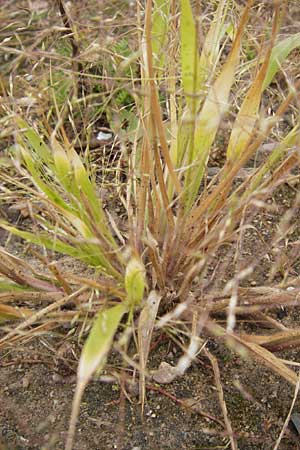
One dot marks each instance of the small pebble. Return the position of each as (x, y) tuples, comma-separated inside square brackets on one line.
[(56, 378), (101, 136), (25, 382)]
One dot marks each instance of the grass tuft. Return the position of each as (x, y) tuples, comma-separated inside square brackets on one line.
[(159, 236)]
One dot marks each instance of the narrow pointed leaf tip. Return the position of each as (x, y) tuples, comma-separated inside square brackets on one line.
[(135, 281), (278, 56)]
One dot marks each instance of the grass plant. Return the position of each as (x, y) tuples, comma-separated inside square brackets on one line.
[(182, 227)]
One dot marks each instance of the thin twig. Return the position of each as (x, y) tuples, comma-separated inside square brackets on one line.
[(172, 397)]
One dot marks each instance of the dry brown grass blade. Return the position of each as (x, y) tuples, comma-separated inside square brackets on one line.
[(71, 34), (237, 343), (32, 333), (278, 176), (155, 107), (219, 193), (222, 402), (54, 269), (143, 189), (105, 287), (243, 131), (145, 330), (277, 341), (155, 261), (287, 420), (163, 187), (155, 198), (270, 321), (43, 312), (290, 162), (250, 299), (29, 296), (157, 129), (14, 312), (247, 116), (14, 269)]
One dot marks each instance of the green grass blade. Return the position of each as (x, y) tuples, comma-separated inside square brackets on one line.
[(89, 198), (36, 172), (210, 117), (64, 171), (196, 70), (210, 51), (6, 286), (275, 157), (145, 329), (135, 282), (99, 341), (189, 53), (63, 168), (35, 142), (93, 356), (248, 114), (247, 117), (279, 53), (160, 14), (88, 253)]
